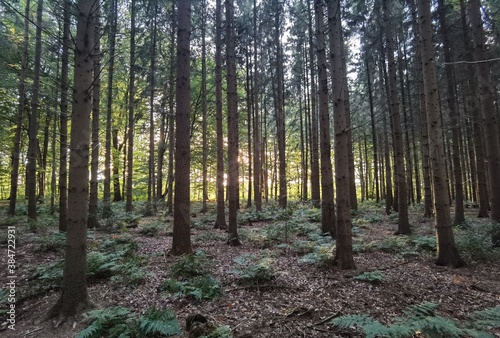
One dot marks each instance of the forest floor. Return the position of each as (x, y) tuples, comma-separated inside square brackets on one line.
[(279, 283)]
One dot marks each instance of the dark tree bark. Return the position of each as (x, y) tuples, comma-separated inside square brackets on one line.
[(204, 105), (109, 112), (131, 111), (171, 122), (490, 119), (232, 125), (343, 255), (257, 167), (74, 297), (454, 117), (399, 166), (220, 222), (16, 152), (33, 121), (181, 242), (315, 191), (447, 253), (96, 99), (327, 204)]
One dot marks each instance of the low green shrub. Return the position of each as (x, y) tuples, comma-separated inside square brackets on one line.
[(198, 287), (192, 265), (374, 277), (254, 269), (118, 322)]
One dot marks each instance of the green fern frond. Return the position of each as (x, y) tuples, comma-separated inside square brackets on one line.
[(159, 322), (437, 326), (421, 310), (348, 321), (94, 330), (487, 318)]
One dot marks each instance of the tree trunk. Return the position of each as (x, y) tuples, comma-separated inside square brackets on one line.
[(96, 99), (117, 195), (327, 204), (399, 166), (151, 204), (447, 253), (220, 222), (74, 297), (257, 166), (171, 123), (204, 105), (490, 120), (16, 152), (454, 117), (131, 111), (232, 124), (33, 126), (344, 255), (315, 192), (109, 112), (181, 242)]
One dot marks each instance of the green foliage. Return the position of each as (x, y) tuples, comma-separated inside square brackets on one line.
[(118, 322), (426, 243), (192, 265), (151, 229), (198, 287), (422, 318), (473, 239), (370, 218), (53, 242), (321, 254), (374, 277), (254, 269), (222, 331), (392, 244)]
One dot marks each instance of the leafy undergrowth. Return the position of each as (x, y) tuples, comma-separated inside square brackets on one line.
[(280, 283)]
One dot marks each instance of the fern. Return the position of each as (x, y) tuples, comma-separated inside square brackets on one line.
[(422, 310), (220, 332), (159, 322), (199, 287), (254, 269), (367, 324), (487, 318), (374, 277), (190, 265)]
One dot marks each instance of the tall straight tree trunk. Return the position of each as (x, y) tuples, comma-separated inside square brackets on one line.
[(327, 204), (16, 152), (131, 110), (151, 204), (490, 119), (117, 194), (96, 100), (280, 113), (232, 124), (399, 166), (447, 253), (220, 222), (33, 126), (387, 154), (473, 109), (181, 242), (171, 122), (315, 191), (204, 105), (257, 166), (344, 255), (74, 296), (250, 113), (109, 111), (454, 117)]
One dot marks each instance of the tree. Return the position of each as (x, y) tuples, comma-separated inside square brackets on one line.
[(74, 296), (220, 222), (327, 205), (344, 255), (33, 118), (447, 253), (454, 118), (204, 105), (489, 114), (399, 167), (131, 109), (232, 125), (257, 167), (14, 177), (96, 100), (181, 243)]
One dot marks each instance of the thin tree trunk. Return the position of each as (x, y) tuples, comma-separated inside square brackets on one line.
[(232, 125), (16, 152), (327, 204), (220, 222), (399, 167), (33, 126), (454, 117), (181, 242), (490, 121), (96, 99), (109, 112), (171, 123), (204, 107), (257, 166)]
